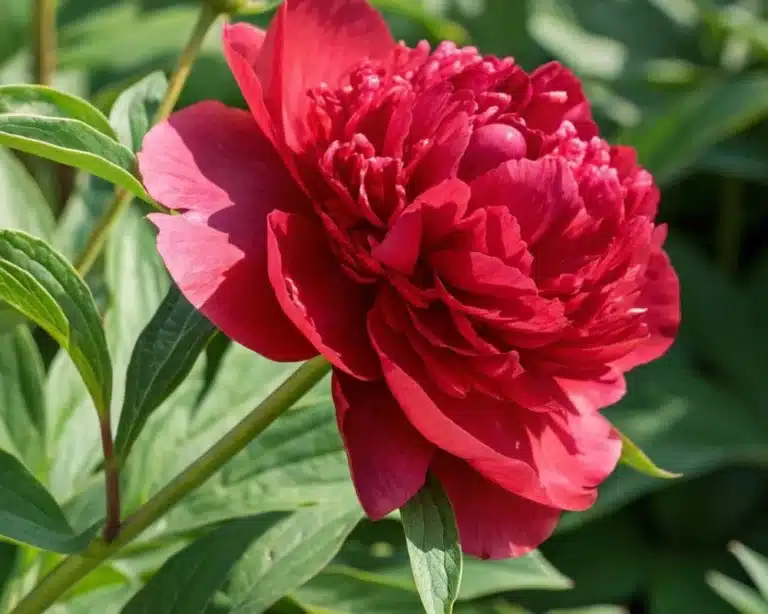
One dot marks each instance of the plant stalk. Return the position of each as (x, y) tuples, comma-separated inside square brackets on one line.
[(44, 47), (122, 198), (72, 569), (112, 477)]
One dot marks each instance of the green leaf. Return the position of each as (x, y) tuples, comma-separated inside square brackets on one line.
[(22, 411), (22, 204), (28, 514), (634, 457), (755, 565), (188, 580), (46, 101), (530, 572), (135, 108), (164, 355), (41, 284), (670, 142), (74, 143), (433, 547), (743, 598), (290, 553)]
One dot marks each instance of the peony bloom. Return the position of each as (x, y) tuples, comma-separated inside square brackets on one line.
[(450, 232)]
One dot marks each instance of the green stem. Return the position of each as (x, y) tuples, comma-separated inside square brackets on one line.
[(98, 237), (72, 569), (44, 33)]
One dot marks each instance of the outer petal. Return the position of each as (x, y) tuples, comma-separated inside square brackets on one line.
[(661, 297), (493, 523), (214, 162), (326, 305), (591, 395), (228, 285), (388, 458), (311, 42)]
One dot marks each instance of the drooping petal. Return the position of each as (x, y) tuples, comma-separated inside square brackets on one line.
[(228, 284), (660, 296), (321, 300), (316, 42), (209, 157), (388, 458), (493, 523)]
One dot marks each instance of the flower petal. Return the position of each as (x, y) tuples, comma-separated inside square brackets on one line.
[(493, 523), (326, 305), (209, 157), (227, 283), (593, 394), (388, 458), (315, 42)]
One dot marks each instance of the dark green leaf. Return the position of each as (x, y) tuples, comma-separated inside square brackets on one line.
[(164, 355), (46, 101), (135, 108), (289, 554), (28, 514), (186, 583), (41, 284), (433, 547), (634, 457), (74, 143)]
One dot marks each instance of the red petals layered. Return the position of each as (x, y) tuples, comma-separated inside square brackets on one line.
[(450, 232)]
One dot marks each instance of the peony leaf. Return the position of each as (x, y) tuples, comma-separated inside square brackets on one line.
[(47, 101), (634, 457), (163, 356), (743, 598), (289, 553), (754, 564), (135, 108), (74, 143), (433, 547), (41, 284), (29, 514), (188, 580)]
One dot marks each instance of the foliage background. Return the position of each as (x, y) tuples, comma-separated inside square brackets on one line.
[(685, 81)]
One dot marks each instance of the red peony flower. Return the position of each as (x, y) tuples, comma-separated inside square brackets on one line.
[(450, 232)]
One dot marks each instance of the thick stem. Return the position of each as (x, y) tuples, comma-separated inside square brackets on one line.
[(122, 198), (74, 568), (112, 477), (44, 48)]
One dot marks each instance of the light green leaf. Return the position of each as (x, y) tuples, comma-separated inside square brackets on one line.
[(529, 572), (290, 553), (188, 580), (41, 284), (22, 411), (47, 101), (74, 143), (433, 547), (755, 565), (163, 356), (22, 204), (135, 108), (592, 609), (634, 457), (671, 141), (743, 598), (28, 514)]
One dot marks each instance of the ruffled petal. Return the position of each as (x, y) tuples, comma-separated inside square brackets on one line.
[(324, 304), (227, 283), (388, 458), (493, 523)]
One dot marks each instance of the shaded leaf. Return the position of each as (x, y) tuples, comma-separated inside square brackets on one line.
[(135, 108)]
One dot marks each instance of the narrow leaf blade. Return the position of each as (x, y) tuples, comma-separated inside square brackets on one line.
[(633, 456), (40, 283), (163, 356), (433, 547)]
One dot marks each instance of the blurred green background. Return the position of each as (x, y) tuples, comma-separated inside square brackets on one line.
[(686, 83)]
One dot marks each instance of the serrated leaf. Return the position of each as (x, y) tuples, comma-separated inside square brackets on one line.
[(163, 356), (634, 457), (134, 109), (39, 282), (433, 547), (74, 143), (188, 580), (289, 554), (47, 101), (28, 514)]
